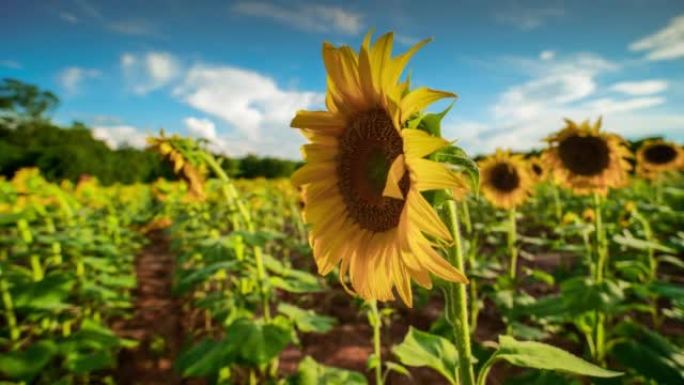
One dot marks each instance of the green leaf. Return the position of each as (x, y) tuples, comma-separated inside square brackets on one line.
[(204, 358), (25, 365), (188, 281), (307, 321), (256, 342), (538, 355), (425, 349), (49, 294), (649, 354), (460, 162), (628, 240), (311, 372), (432, 123)]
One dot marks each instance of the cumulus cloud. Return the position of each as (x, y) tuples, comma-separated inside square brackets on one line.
[(528, 14), (202, 128), (644, 87), (133, 27), (72, 78), (149, 71), (306, 16), (119, 136), (665, 44), (246, 99), (547, 54), (523, 114)]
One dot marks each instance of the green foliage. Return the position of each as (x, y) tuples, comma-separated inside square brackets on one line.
[(311, 372), (425, 349)]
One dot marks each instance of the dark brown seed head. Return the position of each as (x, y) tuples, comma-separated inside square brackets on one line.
[(504, 177), (660, 153), (368, 146), (584, 155)]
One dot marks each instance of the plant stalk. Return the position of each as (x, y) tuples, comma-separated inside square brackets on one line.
[(601, 263), (376, 324), (457, 302), (512, 247)]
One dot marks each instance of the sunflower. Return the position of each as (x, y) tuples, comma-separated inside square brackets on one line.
[(507, 180), (656, 156), (365, 171), (191, 174), (587, 160), (538, 172)]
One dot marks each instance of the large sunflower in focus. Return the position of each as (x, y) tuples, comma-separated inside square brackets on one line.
[(507, 180), (365, 172), (656, 156), (587, 160)]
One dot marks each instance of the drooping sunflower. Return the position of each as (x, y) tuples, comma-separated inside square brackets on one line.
[(365, 172), (192, 173), (657, 156), (507, 179), (587, 160)]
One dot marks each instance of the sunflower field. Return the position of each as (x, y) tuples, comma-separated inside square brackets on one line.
[(391, 256)]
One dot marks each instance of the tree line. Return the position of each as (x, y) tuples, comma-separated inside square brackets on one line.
[(29, 138)]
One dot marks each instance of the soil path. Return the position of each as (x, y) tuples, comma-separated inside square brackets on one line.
[(156, 321)]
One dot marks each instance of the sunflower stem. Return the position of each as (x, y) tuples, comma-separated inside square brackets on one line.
[(512, 247), (376, 323), (557, 204), (602, 260), (457, 302)]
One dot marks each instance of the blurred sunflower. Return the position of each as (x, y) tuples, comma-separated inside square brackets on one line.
[(191, 174), (656, 156), (507, 180), (365, 172), (587, 160), (539, 172)]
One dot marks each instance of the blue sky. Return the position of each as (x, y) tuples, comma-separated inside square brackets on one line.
[(235, 72)]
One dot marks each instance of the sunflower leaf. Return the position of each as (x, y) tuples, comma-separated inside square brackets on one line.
[(425, 349), (538, 355)]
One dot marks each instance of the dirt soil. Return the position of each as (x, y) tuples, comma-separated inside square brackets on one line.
[(156, 320)]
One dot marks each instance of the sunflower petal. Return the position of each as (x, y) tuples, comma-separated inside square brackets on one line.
[(393, 72), (396, 172), (420, 98), (312, 172), (429, 175), (418, 143), (319, 120), (423, 216)]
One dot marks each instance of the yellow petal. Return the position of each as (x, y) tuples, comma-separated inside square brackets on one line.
[(396, 172), (430, 175), (312, 172), (319, 120), (422, 215), (418, 143), (392, 74), (420, 98), (317, 152)]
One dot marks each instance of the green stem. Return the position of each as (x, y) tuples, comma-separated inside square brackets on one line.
[(457, 302), (376, 324), (10, 316), (512, 247), (233, 199), (557, 204), (601, 263)]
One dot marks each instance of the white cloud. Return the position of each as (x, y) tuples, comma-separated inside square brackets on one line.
[(72, 78), (608, 105), (306, 16), (644, 87), (120, 136), (570, 86), (134, 27), (11, 64), (68, 17), (150, 71), (665, 44), (202, 128), (528, 14), (547, 54), (252, 104)]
